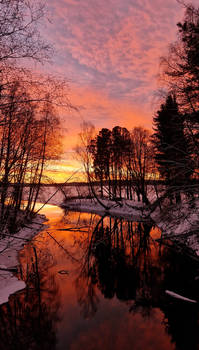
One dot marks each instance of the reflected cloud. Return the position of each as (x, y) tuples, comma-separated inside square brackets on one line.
[(115, 276)]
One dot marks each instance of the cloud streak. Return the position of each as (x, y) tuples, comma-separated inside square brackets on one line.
[(110, 50)]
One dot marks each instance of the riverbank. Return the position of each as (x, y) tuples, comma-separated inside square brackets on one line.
[(122, 208), (10, 245), (178, 222)]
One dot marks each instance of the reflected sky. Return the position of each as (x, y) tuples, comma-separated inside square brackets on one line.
[(99, 283)]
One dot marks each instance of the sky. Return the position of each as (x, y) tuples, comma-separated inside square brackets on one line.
[(109, 51)]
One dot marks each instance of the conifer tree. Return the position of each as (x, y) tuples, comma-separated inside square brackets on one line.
[(172, 149), (181, 73)]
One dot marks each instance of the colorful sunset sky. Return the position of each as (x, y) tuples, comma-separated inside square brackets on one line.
[(109, 51)]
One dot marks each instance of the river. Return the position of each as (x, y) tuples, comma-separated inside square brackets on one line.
[(99, 283)]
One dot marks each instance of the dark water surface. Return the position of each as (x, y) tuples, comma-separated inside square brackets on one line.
[(99, 283)]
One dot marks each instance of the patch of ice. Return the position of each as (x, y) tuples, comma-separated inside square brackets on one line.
[(125, 208), (9, 285), (9, 247)]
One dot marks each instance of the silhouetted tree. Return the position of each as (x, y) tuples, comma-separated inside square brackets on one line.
[(172, 149), (119, 148), (102, 157), (29, 133), (142, 164), (19, 30), (181, 73), (122, 160)]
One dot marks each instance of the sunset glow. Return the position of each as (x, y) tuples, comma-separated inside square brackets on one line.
[(99, 190), (109, 51)]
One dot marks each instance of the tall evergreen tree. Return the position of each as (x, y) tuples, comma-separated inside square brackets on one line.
[(181, 72), (101, 156), (172, 151), (181, 66)]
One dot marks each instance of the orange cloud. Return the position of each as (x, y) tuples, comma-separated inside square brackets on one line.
[(106, 111), (109, 50), (112, 48)]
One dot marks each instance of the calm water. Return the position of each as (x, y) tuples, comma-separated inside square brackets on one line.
[(99, 283)]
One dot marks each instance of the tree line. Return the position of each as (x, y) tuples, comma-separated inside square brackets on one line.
[(122, 159)]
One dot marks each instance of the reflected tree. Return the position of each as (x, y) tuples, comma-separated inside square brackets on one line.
[(118, 260), (181, 323), (28, 320)]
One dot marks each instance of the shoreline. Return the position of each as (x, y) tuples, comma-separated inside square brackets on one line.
[(9, 249), (176, 229), (179, 225), (123, 209)]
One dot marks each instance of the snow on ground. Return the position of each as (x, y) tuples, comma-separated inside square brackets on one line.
[(179, 223), (9, 247), (126, 209), (57, 194)]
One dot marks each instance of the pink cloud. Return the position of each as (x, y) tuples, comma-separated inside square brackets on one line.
[(109, 50), (112, 43)]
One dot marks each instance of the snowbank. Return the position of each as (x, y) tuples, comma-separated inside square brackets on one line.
[(9, 247), (179, 223), (126, 209)]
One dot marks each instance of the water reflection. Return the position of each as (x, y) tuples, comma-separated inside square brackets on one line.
[(28, 320), (112, 294), (122, 260), (181, 322)]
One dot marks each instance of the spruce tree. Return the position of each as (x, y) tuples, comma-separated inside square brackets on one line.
[(172, 151), (180, 69)]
